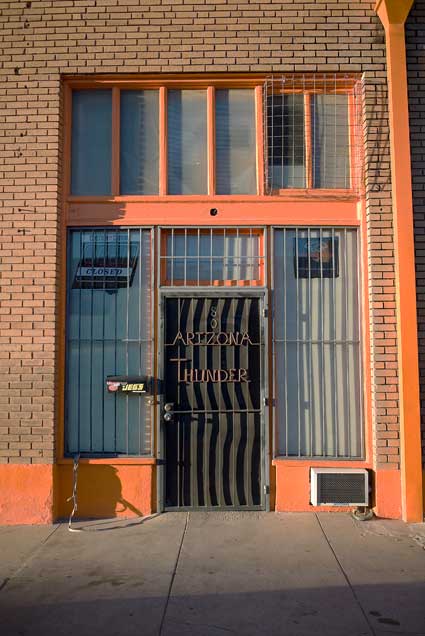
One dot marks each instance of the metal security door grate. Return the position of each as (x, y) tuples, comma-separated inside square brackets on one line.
[(213, 378)]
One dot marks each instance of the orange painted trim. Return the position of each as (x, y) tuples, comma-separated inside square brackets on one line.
[(352, 139), (365, 336), (259, 118), (393, 14), (183, 213), (308, 81), (393, 11), (115, 152), (211, 139), (62, 275), (308, 142), (66, 150), (163, 173), (108, 461), (281, 196), (322, 463)]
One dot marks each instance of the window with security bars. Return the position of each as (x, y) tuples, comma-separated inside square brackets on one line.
[(212, 257), (312, 133), (317, 343), (108, 334)]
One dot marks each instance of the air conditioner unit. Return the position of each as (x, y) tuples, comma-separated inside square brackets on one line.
[(339, 487)]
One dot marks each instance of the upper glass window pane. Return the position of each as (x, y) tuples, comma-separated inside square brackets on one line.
[(285, 141), (91, 142), (139, 142), (187, 142), (235, 142), (331, 148)]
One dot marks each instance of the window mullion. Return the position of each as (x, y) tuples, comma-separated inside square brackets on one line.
[(115, 159), (308, 141), (163, 175), (259, 138), (211, 139), (352, 140)]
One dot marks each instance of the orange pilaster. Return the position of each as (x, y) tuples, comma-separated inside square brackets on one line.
[(393, 14)]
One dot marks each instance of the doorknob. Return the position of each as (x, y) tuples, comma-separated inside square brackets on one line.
[(168, 408)]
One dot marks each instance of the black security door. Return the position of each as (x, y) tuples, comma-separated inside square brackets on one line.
[(213, 425)]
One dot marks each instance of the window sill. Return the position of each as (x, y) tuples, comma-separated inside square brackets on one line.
[(325, 461), (291, 195), (110, 461)]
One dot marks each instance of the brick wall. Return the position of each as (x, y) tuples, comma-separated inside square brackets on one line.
[(43, 40), (415, 46)]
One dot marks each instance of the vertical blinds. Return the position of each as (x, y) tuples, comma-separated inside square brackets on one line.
[(317, 343), (187, 142), (235, 142), (91, 142), (139, 148)]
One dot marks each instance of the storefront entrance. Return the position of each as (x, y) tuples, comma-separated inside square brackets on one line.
[(212, 408)]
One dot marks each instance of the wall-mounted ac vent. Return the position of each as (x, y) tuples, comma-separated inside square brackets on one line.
[(339, 487)]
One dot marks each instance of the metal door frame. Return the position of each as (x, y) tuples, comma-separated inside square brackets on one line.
[(210, 292)]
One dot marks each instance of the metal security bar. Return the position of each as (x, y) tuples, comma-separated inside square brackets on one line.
[(109, 333), (212, 257), (312, 132), (316, 337), (213, 383)]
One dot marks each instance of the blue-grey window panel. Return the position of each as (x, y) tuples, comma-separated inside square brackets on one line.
[(235, 137), (108, 333), (206, 256), (139, 142), (317, 351), (187, 142), (285, 141), (91, 143), (330, 141)]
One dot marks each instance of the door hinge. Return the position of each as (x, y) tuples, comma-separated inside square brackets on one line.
[(266, 489), (269, 401), (265, 312)]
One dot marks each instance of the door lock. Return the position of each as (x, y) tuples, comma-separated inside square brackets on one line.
[(168, 408)]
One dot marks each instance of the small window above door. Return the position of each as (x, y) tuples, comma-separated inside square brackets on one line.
[(217, 257)]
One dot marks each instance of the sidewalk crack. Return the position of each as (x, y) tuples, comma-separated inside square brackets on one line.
[(29, 558), (173, 576), (353, 592)]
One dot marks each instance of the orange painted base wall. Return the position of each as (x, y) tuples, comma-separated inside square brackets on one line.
[(292, 489), (26, 493), (388, 494), (37, 493), (106, 490)]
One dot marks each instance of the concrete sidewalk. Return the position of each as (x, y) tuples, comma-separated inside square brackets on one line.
[(215, 573)]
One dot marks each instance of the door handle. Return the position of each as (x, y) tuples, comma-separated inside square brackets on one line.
[(168, 411)]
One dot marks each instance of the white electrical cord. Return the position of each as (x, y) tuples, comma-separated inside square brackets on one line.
[(74, 494)]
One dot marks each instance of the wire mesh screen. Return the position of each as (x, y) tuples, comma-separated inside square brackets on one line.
[(212, 257), (312, 129), (108, 334), (317, 343)]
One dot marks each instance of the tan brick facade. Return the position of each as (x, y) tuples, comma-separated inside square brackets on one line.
[(45, 40)]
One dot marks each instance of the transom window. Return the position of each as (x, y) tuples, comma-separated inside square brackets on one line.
[(283, 134), (212, 257)]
